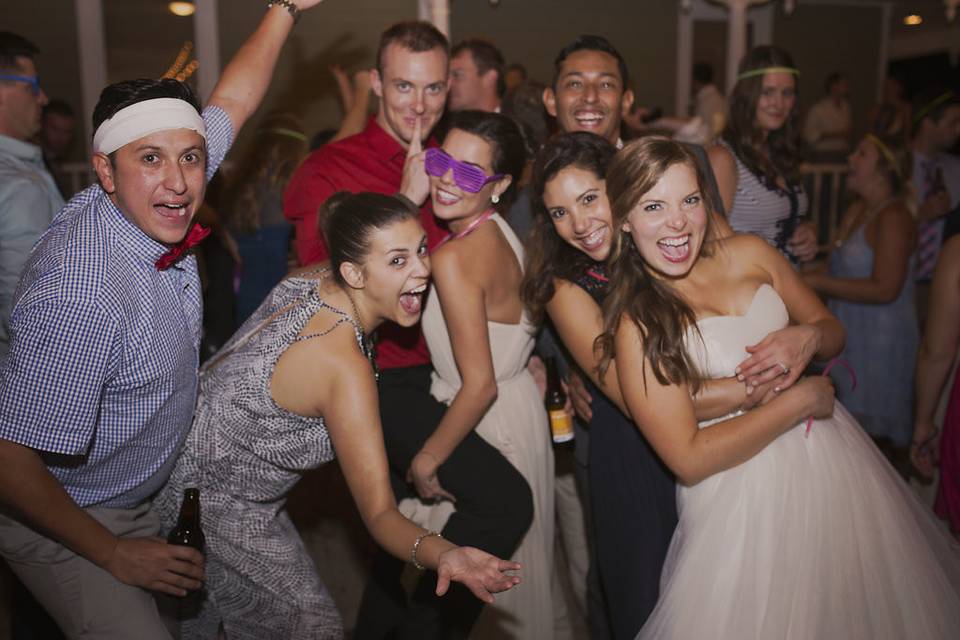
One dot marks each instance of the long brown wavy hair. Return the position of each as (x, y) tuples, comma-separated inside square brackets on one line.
[(779, 154), (636, 292), (548, 256), (269, 162)]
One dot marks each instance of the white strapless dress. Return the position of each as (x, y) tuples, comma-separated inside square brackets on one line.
[(814, 538)]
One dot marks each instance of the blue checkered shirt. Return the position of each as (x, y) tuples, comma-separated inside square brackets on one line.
[(101, 376)]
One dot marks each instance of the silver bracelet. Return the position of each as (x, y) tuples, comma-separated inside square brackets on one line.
[(416, 545), (289, 6)]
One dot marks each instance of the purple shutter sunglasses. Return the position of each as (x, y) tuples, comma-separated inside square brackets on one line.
[(466, 176)]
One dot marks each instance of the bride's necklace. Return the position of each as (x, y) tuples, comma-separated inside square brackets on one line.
[(367, 343)]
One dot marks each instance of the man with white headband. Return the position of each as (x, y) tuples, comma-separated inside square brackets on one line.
[(97, 392)]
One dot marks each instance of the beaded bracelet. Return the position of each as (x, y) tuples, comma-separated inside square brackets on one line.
[(416, 545), (289, 6)]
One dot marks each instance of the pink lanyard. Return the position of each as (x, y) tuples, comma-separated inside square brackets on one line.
[(486, 215), (853, 376), (597, 276)]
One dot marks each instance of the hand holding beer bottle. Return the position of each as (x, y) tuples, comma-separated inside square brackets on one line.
[(555, 400)]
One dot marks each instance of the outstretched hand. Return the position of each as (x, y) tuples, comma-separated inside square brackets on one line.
[(479, 571), (785, 353), (415, 184)]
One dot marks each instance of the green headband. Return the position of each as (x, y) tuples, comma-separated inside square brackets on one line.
[(290, 133), (886, 152), (760, 72), (930, 106)]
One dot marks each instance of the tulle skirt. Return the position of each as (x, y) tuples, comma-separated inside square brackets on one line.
[(816, 537)]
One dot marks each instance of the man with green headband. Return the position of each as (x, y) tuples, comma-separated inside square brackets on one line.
[(936, 173)]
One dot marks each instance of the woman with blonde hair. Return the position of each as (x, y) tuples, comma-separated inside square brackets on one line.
[(870, 289)]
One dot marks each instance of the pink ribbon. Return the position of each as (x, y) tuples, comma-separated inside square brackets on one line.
[(826, 371)]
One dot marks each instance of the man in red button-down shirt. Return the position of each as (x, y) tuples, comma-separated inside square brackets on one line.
[(494, 503)]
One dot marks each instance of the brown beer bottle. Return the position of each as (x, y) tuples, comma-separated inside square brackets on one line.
[(555, 399), (188, 532)]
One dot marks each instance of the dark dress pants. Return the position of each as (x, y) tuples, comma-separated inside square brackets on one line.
[(494, 511)]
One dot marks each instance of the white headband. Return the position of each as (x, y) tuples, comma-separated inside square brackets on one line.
[(143, 118)]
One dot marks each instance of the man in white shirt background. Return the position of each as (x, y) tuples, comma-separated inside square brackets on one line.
[(828, 124)]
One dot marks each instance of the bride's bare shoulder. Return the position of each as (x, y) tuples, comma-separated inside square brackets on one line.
[(741, 242), (745, 247), (747, 254)]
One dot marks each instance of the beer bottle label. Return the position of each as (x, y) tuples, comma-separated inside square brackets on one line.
[(561, 425)]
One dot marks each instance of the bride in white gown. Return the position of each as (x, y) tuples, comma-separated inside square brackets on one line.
[(784, 532)]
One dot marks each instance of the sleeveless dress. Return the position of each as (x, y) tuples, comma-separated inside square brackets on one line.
[(762, 210), (882, 344), (516, 425), (245, 453), (814, 537), (634, 503)]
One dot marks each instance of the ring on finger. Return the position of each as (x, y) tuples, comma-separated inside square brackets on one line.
[(783, 367)]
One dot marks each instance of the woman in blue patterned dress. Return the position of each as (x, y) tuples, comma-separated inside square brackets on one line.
[(294, 387), (869, 285)]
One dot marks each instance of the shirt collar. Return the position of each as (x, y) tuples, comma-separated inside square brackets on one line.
[(381, 142), (25, 151), (142, 247)]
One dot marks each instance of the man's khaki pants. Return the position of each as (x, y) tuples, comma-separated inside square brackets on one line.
[(86, 601)]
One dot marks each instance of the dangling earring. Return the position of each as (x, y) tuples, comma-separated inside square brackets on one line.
[(495, 199)]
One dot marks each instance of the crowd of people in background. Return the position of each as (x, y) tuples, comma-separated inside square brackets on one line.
[(387, 294)]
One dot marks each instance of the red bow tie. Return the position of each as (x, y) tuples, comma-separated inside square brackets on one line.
[(177, 251)]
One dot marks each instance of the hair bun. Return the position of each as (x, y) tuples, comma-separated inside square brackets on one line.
[(329, 209)]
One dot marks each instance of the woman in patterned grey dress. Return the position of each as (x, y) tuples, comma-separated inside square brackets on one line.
[(294, 386)]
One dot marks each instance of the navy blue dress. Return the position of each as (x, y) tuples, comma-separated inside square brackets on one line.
[(633, 499)]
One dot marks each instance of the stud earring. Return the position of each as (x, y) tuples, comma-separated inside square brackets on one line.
[(495, 199)]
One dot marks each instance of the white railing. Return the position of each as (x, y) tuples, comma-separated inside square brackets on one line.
[(824, 183)]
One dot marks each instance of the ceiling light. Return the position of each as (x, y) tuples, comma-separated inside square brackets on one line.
[(912, 20), (181, 8)]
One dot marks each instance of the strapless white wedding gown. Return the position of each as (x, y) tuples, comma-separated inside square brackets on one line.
[(814, 538)]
